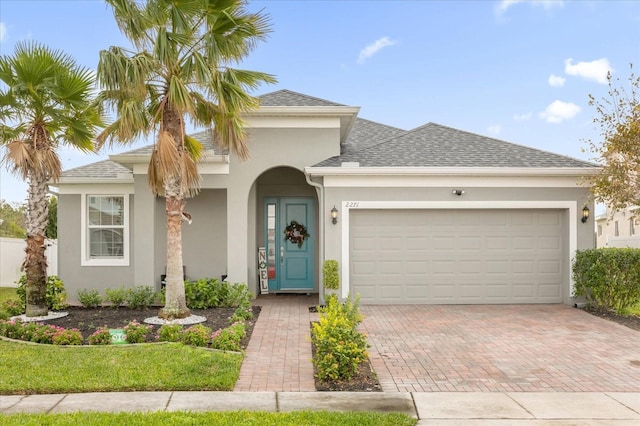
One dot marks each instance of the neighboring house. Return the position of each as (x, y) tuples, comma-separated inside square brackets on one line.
[(619, 228), (431, 215)]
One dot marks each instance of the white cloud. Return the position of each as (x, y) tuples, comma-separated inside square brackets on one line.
[(3, 31), (556, 81), (503, 5), (374, 48), (559, 111), (595, 70), (523, 117), (495, 129)]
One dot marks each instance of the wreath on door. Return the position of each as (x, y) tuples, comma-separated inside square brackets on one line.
[(296, 233)]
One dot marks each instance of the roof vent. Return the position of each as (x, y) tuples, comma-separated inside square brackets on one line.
[(350, 164)]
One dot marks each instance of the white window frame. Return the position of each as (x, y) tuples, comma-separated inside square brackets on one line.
[(86, 260)]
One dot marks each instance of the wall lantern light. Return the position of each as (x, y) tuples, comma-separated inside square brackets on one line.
[(334, 215), (585, 214)]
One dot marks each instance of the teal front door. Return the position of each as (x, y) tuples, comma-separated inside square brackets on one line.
[(290, 242)]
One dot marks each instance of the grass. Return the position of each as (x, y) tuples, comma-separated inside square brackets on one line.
[(634, 310), (41, 369), (8, 293), (319, 418)]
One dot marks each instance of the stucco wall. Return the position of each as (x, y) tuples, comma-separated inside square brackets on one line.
[(269, 148), (70, 270)]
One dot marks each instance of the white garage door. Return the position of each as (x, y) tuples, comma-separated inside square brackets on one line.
[(458, 256)]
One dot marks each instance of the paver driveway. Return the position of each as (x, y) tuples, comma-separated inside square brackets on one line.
[(500, 348)]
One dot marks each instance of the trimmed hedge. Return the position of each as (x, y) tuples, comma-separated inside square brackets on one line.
[(608, 277)]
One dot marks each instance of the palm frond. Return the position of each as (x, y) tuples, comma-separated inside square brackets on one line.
[(20, 158)]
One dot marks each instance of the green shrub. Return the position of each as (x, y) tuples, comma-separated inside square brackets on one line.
[(228, 339), (331, 277), (608, 277), (116, 296), (44, 334), (234, 295), (213, 293), (89, 298), (4, 315), (140, 297), (202, 294), (197, 335), (340, 348), (27, 331), (241, 314), (136, 332), (101, 336), (71, 336), (169, 333), (12, 306), (56, 294)]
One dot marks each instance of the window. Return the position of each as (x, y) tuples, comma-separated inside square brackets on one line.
[(106, 232), (616, 231), (632, 226), (599, 230)]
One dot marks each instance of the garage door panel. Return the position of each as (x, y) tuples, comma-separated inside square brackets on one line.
[(458, 256)]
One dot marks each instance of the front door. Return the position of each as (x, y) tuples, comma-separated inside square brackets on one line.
[(290, 241)]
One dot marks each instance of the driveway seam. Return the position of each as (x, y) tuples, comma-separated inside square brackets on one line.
[(508, 394), (620, 402), (57, 403)]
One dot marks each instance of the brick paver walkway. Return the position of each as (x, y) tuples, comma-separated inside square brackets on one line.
[(496, 348), (278, 357)]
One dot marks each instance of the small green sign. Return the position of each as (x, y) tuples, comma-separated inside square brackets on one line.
[(118, 336)]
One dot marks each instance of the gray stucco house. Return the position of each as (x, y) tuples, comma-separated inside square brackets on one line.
[(431, 215)]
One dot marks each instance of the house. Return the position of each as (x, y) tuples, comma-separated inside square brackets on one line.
[(618, 228), (431, 215)]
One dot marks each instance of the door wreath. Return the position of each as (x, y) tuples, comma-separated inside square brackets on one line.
[(296, 233)]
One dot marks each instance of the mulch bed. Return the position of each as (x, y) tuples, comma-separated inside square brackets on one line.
[(87, 320), (631, 321)]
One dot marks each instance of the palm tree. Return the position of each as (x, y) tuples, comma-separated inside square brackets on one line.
[(180, 69), (45, 101)]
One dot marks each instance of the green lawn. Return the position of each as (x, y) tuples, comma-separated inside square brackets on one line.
[(38, 369), (7, 293), (319, 418)]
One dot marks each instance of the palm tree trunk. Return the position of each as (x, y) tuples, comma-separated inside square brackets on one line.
[(175, 305), (35, 262)]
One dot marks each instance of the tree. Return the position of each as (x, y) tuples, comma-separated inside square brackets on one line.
[(12, 220), (52, 218), (618, 116), (180, 69), (45, 102)]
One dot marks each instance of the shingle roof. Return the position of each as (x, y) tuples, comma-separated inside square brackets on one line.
[(288, 98), (105, 169), (205, 137), (365, 133), (434, 145)]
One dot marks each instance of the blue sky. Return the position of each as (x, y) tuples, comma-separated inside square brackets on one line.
[(520, 71)]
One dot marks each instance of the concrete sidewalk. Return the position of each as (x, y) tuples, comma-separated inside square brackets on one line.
[(431, 408)]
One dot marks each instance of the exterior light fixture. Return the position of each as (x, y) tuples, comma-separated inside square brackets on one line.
[(457, 192), (334, 215), (585, 214)]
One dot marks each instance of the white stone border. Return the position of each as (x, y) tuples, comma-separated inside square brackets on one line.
[(347, 206)]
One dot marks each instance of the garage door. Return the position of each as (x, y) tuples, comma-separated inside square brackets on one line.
[(458, 256)]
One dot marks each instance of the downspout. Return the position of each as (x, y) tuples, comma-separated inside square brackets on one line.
[(320, 191)]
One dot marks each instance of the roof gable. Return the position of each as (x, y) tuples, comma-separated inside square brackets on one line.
[(289, 98), (105, 169)]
